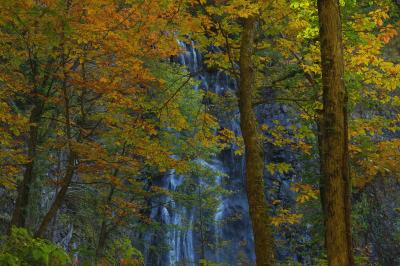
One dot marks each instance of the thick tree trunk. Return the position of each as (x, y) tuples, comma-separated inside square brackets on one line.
[(335, 184), (261, 223), (347, 181), (21, 205)]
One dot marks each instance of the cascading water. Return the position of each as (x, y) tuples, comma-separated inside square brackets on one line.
[(173, 216), (231, 221), (231, 231), (179, 241)]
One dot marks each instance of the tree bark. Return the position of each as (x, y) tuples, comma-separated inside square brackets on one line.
[(55, 206), (347, 181), (261, 223), (20, 209), (72, 156), (101, 244), (335, 183)]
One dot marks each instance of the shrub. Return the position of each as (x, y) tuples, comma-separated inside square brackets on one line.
[(21, 249)]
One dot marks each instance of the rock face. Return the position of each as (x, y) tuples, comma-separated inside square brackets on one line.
[(232, 230)]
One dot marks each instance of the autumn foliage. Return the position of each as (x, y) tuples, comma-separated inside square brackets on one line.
[(95, 111)]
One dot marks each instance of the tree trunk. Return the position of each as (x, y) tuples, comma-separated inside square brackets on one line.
[(72, 156), (335, 182), (21, 205), (104, 231), (101, 244), (347, 180), (59, 197), (261, 223)]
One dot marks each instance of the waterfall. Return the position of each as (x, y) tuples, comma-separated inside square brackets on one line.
[(172, 214), (231, 220)]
